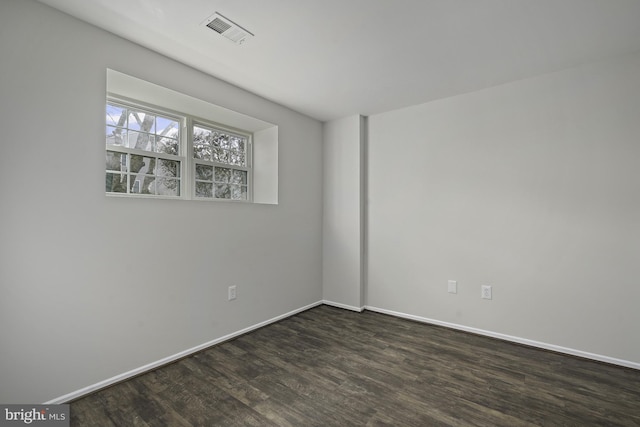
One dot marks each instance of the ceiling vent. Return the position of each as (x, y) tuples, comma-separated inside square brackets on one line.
[(227, 28)]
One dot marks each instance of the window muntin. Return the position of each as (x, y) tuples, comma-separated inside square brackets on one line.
[(221, 161)]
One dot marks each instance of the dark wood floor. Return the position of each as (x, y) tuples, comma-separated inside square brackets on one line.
[(332, 367)]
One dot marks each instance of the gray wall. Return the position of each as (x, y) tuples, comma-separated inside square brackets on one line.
[(531, 187), (92, 287)]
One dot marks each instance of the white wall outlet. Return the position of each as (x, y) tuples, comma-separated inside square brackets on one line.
[(452, 287), (485, 292), (232, 292)]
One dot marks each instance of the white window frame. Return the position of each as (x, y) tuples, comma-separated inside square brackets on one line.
[(185, 152)]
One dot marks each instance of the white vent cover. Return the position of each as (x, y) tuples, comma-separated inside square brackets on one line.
[(227, 28)]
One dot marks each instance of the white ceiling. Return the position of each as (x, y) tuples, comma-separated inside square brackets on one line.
[(334, 58)]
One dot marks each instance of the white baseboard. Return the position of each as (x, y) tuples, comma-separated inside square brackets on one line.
[(345, 306), (153, 365), (538, 344)]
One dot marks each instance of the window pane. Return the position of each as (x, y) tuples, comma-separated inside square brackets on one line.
[(143, 185), (142, 165), (168, 187), (237, 143), (116, 182), (238, 192), (215, 154), (239, 177), (139, 120), (116, 116), (141, 141), (167, 145), (222, 175), (204, 172), (223, 191), (116, 136), (237, 158), (116, 161), (221, 140), (204, 189), (220, 155), (168, 168), (202, 152), (167, 127)]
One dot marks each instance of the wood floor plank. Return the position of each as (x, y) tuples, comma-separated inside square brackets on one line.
[(333, 367)]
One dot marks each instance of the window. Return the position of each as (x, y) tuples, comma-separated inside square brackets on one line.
[(245, 173), (148, 153), (220, 160)]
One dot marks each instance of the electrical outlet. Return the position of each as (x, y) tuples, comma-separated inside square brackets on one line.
[(486, 292), (452, 287), (232, 292)]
